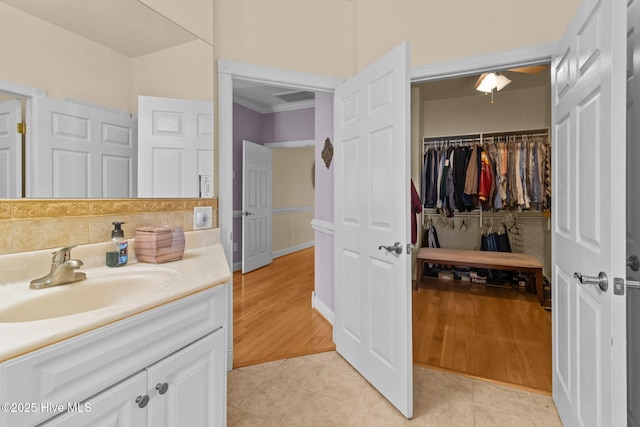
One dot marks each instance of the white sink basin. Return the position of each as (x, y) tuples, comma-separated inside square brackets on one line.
[(105, 289)]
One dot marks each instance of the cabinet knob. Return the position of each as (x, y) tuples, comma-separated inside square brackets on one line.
[(162, 388), (142, 401)]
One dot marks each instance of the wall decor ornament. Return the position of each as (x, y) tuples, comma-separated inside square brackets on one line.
[(327, 152)]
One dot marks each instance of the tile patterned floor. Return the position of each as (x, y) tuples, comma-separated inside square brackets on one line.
[(324, 390)]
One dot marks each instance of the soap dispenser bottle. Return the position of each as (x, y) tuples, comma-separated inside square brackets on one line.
[(117, 253)]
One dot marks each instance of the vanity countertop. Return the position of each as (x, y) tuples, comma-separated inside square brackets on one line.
[(203, 266)]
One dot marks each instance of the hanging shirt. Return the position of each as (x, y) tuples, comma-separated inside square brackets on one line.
[(471, 178), (416, 208), (439, 182), (460, 157), (485, 182)]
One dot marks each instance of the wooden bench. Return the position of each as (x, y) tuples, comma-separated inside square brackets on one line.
[(483, 259)]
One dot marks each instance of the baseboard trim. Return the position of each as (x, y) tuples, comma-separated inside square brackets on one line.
[(322, 308), (237, 266), (321, 226), (292, 249)]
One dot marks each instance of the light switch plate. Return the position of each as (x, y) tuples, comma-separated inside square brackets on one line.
[(206, 186), (202, 217)]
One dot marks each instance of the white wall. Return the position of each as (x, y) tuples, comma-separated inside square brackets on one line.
[(41, 55), (444, 30), (44, 56), (303, 35), (512, 110)]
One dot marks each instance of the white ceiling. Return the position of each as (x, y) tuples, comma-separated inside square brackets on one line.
[(126, 26), (262, 98)]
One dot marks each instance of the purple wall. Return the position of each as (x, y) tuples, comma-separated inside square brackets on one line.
[(260, 128), (324, 201), (296, 125)]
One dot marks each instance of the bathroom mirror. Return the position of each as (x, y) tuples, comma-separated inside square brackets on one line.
[(97, 55)]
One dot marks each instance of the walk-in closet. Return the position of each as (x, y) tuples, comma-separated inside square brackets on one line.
[(481, 166)]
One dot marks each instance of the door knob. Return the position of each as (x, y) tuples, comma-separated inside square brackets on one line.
[(247, 213), (142, 401), (633, 263), (397, 248), (601, 280), (162, 388)]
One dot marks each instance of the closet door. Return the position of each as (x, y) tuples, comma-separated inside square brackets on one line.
[(633, 210), (589, 322), (372, 270)]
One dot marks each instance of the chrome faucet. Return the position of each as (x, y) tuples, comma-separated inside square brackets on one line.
[(62, 270)]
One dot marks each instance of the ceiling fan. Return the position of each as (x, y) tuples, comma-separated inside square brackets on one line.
[(487, 82)]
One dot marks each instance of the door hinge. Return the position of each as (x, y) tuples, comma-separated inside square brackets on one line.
[(22, 128)]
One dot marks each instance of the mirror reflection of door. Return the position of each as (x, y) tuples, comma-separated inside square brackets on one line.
[(175, 146), (80, 150), (10, 148)]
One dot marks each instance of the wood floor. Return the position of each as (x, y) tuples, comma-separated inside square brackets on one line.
[(495, 333), (487, 332), (272, 314)]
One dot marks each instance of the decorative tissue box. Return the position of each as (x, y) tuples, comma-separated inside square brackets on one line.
[(159, 244)]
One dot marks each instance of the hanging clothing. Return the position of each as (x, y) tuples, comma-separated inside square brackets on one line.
[(442, 156), (505, 172), (449, 203), (432, 238), (433, 177), (503, 241), (460, 159), (485, 181), (416, 209), (471, 180)]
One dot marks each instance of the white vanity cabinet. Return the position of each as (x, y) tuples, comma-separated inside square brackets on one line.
[(113, 407), (174, 356), (184, 389)]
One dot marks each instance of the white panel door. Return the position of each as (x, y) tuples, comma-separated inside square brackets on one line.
[(372, 302), (633, 210), (175, 146), (10, 150), (256, 206), (81, 151), (589, 114)]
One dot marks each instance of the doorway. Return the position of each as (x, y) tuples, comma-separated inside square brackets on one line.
[(496, 330), (281, 120), (230, 72)]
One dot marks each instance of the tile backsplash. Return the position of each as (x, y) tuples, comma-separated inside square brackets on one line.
[(33, 224)]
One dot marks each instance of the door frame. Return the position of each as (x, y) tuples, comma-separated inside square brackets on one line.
[(27, 93), (230, 70)]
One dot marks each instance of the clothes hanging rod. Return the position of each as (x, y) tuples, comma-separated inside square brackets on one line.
[(453, 138), (481, 137), (532, 132)]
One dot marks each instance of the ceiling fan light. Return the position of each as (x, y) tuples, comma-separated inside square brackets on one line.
[(501, 82), (488, 83)]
